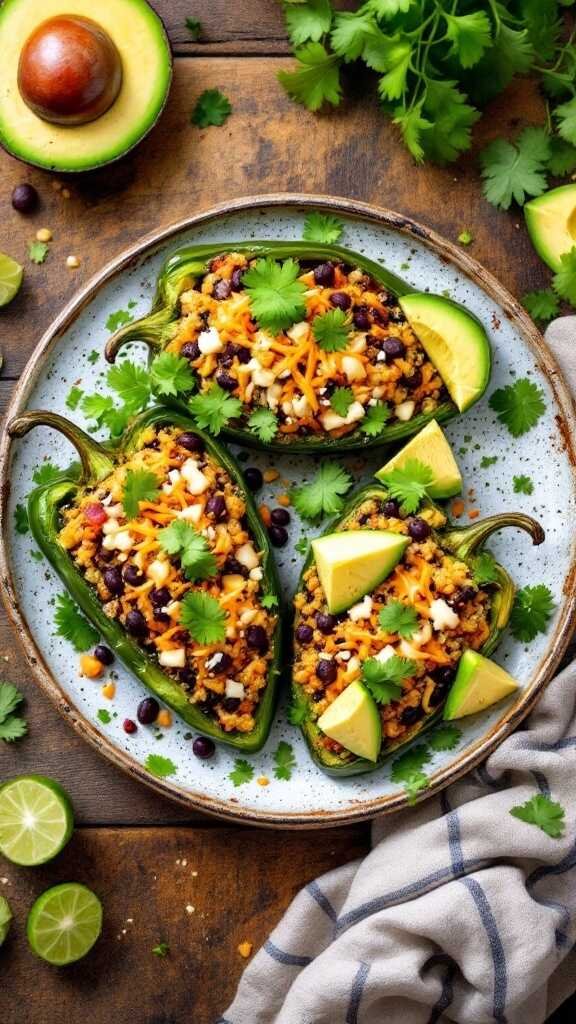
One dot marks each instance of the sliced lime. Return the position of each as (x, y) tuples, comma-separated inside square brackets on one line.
[(5, 918), (10, 278), (36, 820), (64, 923)]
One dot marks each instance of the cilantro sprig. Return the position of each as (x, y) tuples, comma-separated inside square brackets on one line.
[(203, 617), (375, 419), (384, 678), (409, 484), (72, 625), (12, 726), (341, 400), (171, 374), (400, 618), (324, 496), (407, 769), (242, 772), (284, 761), (139, 485), (322, 227), (181, 539), (276, 294), (212, 108), (214, 408), (531, 612), (484, 570), (332, 330), (160, 767), (544, 813), (264, 424), (518, 406)]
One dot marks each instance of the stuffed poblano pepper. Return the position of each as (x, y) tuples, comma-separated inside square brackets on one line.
[(316, 346), (386, 607), (161, 546)]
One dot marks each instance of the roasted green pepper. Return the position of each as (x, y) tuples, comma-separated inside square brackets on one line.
[(187, 265), (466, 544), (45, 507)]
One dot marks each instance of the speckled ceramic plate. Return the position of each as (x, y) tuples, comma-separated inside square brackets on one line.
[(29, 586)]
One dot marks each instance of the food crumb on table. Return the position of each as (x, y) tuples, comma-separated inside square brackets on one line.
[(245, 948)]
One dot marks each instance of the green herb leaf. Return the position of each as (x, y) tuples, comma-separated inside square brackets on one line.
[(388, 8), (104, 716), (407, 769), (10, 698), (97, 407), (13, 728), (71, 625), (562, 157), (470, 35), (414, 127), (21, 523), (316, 79), (375, 419), (171, 374), (284, 760), (332, 330), (194, 27), (46, 473), (212, 108), (162, 949), (302, 545), (488, 460), (119, 318), (452, 118), (269, 601), (409, 484), (264, 424), (93, 357), (542, 305), (543, 812), (37, 251), (299, 709), (396, 617), (73, 397), (139, 485), (276, 294), (566, 117), (214, 408), (351, 33), (322, 227), (309, 20), (341, 400), (564, 282), (519, 406), (384, 678), (531, 612), (465, 237), (203, 617), (523, 485), (242, 772), (323, 496), (445, 737), (484, 569), (131, 383), (161, 767), (515, 171), (181, 539)]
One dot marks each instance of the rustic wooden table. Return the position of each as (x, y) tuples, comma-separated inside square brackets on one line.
[(148, 859)]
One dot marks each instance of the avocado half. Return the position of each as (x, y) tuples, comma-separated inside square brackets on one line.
[(551, 223), (144, 48)]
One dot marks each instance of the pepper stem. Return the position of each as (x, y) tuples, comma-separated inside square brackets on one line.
[(465, 540), (97, 461)]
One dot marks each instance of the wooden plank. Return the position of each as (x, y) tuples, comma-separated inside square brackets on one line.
[(227, 28), (180, 170), (244, 880)]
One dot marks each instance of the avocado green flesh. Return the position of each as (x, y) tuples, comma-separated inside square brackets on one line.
[(431, 447), (139, 36), (353, 720), (455, 341), (551, 223), (479, 684), (352, 563)]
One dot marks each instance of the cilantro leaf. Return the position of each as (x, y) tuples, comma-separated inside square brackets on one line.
[(284, 760), (299, 709), (465, 237), (396, 61), (541, 305), (375, 419), (384, 678), (203, 617), (72, 625), (13, 728), (445, 737), (566, 117), (104, 716), (445, 105), (93, 357), (409, 484), (73, 397), (396, 617), (351, 32), (194, 27), (162, 948), (97, 407), (269, 601), (309, 20), (21, 523), (119, 318), (341, 400), (37, 251), (160, 766), (316, 79), (322, 227), (302, 545), (484, 569), (519, 406), (212, 108), (564, 282), (242, 772), (131, 383), (413, 127), (388, 8), (10, 698), (332, 330), (470, 35), (515, 171), (562, 159), (523, 485), (407, 769), (543, 812), (180, 538), (488, 460), (323, 496), (264, 424), (171, 374), (276, 294), (46, 473), (213, 409), (139, 485), (531, 612)]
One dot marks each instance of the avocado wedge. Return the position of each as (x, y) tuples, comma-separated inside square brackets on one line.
[(137, 34), (353, 720), (455, 341), (352, 564), (432, 448), (479, 684), (551, 223)]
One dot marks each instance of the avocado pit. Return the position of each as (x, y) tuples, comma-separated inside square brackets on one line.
[(70, 71)]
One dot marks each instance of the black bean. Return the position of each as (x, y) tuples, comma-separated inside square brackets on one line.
[(161, 616), (391, 509), (243, 354), (132, 575), (231, 704), (380, 317), (325, 622), (25, 198), (253, 478), (104, 654), (317, 696), (226, 381), (341, 300), (414, 380), (216, 506), (418, 528), (136, 623), (219, 662), (393, 348), (190, 350), (191, 442), (304, 633), (326, 670), (278, 535), (444, 676), (160, 596), (236, 279), (256, 638), (203, 748), (324, 274), (361, 318), (222, 289), (187, 677), (113, 581), (409, 716), (232, 567), (280, 516), (148, 711), (461, 597)]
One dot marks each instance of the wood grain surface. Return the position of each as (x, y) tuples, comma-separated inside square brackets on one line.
[(245, 879)]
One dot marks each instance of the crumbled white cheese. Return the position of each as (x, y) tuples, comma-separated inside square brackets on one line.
[(273, 395), (257, 573), (344, 656), (422, 636), (247, 556), (196, 482), (209, 341), (405, 411), (248, 616), (214, 660), (191, 512), (234, 689), (173, 659), (386, 653), (287, 408), (300, 406), (353, 368), (332, 421), (158, 571), (114, 511), (359, 343), (120, 540), (174, 476), (443, 616), (353, 666), (362, 610), (262, 378), (111, 526), (172, 609), (407, 650), (299, 331), (381, 357)]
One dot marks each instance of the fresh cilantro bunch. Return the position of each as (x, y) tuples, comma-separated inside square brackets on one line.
[(12, 726)]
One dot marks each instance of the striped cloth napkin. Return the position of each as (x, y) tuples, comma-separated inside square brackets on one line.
[(461, 911)]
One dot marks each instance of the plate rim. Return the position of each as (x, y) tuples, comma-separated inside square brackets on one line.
[(557, 644)]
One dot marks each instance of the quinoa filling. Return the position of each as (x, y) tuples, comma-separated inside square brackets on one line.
[(453, 614), (143, 587), (290, 373)]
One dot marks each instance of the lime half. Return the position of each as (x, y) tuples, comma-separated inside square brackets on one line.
[(36, 820), (5, 918), (64, 923), (10, 278)]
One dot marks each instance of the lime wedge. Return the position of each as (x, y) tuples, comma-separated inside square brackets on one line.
[(64, 923), (5, 918), (36, 820), (10, 279)]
